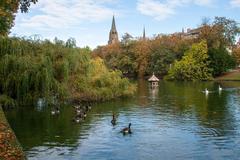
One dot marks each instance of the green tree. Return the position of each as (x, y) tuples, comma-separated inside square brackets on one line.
[(126, 39), (31, 69), (160, 60), (220, 61), (71, 43), (8, 10), (193, 66)]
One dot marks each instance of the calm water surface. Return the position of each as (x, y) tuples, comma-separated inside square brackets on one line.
[(175, 121)]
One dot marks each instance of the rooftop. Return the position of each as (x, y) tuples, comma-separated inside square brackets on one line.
[(153, 78)]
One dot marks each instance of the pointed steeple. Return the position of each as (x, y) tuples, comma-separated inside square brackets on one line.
[(113, 24), (113, 35), (144, 33)]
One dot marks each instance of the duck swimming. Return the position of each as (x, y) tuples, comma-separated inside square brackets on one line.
[(113, 121), (57, 110), (127, 130), (77, 119)]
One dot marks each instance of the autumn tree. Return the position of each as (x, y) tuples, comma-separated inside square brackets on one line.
[(142, 51), (236, 54), (160, 61), (8, 10), (220, 36), (220, 33), (193, 66)]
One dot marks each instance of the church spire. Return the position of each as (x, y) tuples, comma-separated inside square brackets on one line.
[(144, 33), (113, 24), (113, 35)]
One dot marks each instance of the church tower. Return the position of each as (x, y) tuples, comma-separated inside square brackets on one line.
[(113, 35)]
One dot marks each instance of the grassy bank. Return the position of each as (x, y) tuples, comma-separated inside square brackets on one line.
[(230, 76), (10, 148)]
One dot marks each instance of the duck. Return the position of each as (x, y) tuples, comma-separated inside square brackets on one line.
[(88, 108), (77, 119), (77, 107), (78, 111), (84, 115), (113, 121), (127, 130), (219, 88), (57, 110)]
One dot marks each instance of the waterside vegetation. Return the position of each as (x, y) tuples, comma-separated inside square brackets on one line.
[(55, 72)]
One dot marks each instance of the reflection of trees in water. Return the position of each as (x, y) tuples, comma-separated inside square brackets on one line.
[(39, 128), (179, 100), (34, 128), (142, 93), (213, 111)]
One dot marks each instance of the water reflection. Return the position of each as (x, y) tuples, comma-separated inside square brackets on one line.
[(174, 121)]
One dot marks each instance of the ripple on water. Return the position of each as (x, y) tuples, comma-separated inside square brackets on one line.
[(178, 122)]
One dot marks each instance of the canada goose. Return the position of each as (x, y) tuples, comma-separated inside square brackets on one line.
[(78, 111), (57, 110), (127, 130), (77, 119), (88, 108), (113, 121), (84, 115), (77, 107)]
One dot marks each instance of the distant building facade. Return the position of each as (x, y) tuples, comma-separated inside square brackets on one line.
[(113, 35), (192, 33), (189, 34)]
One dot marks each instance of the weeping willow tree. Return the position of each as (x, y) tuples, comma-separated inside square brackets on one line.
[(33, 69)]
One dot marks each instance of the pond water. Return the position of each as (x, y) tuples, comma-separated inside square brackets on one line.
[(175, 121)]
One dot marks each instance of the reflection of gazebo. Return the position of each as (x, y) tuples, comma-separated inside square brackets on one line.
[(153, 80)]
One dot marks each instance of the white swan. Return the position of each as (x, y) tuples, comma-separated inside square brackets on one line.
[(219, 88), (53, 112), (206, 91)]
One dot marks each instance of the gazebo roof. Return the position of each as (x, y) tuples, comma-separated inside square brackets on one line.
[(153, 78)]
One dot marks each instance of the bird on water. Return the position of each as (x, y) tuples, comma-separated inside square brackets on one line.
[(114, 120), (127, 130)]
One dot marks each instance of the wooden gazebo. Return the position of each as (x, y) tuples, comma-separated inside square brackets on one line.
[(153, 80)]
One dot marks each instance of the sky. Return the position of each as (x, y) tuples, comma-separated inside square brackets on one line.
[(89, 21)]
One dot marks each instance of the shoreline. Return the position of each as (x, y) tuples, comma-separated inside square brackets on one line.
[(10, 147), (229, 76)]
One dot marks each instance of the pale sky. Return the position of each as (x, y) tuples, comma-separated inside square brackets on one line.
[(89, 21)]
